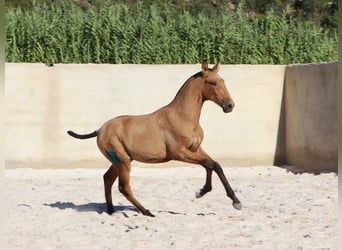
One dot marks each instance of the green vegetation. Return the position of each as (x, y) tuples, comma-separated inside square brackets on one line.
[(162, 32)]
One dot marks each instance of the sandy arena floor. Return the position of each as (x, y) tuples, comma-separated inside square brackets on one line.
[(65, 209)]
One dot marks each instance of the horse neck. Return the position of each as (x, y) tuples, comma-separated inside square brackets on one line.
[(189, 100)]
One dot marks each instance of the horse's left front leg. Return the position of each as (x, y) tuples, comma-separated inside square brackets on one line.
[(202, 158)]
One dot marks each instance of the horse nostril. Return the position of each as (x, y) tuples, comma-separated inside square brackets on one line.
[(231, 105), (228, 107)]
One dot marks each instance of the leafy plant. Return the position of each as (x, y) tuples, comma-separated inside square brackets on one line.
[(156, 33)]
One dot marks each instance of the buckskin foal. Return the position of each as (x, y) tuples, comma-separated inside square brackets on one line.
[(172, 132)]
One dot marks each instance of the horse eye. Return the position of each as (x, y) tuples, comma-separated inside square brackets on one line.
[(213, 83)]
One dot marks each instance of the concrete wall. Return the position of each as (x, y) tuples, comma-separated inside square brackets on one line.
[(42, 103), (311, 116)]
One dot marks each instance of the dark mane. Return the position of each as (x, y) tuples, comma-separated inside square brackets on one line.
[(198, 74)]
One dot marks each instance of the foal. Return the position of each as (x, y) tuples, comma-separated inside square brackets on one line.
[(172, 132)]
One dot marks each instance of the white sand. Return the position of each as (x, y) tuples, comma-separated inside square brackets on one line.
[(64, 209)]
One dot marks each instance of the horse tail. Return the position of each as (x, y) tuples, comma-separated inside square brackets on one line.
[(85, 136)]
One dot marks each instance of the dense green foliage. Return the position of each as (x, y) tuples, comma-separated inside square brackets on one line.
[(161, 33)]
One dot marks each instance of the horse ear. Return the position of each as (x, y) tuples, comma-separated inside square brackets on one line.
[(216, 68), (205, 66)]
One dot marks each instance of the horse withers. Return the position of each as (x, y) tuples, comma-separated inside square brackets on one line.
[(172, 132)]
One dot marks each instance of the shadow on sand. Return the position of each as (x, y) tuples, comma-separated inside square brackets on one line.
[(101, 208), (90, 207)]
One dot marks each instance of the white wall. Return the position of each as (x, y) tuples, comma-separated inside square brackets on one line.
[(268, 126), (43, 102)]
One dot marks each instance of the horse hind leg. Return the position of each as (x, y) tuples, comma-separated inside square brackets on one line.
[(109, 178), (125, 189)]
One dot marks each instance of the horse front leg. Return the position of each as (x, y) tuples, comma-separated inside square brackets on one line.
[(207, 186), (230, 192), (202, 158)]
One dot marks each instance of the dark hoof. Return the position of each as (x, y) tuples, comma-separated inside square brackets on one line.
[(148, 213), (237, 206), (110, 211)]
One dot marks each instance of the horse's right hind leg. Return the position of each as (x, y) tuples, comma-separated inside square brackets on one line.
[(108, 179)]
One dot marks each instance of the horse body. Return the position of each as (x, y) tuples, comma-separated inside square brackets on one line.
[(172, 132), (157, 137), (126, 136)]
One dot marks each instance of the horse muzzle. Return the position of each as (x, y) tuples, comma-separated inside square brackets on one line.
[(227, 106)]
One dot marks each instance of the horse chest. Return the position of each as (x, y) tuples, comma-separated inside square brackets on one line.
[(194, 139)]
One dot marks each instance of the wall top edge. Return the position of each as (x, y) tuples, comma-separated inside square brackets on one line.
[(128, 64), (143, 65), (311, 64), (178, 65)]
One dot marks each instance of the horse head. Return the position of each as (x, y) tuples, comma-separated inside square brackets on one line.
[(215, 88)]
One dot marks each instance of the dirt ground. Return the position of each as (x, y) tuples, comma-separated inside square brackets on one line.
[(65, 209)]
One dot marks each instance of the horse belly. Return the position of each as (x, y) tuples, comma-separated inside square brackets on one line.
[(149, 154), (146, 146)]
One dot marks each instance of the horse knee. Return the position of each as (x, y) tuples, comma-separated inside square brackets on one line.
[(218, 169), (213, 165), (207, 165)]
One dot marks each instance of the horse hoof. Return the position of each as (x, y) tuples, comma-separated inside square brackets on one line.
[(110, 210), (148, 213), (198, 195), (237, 206)]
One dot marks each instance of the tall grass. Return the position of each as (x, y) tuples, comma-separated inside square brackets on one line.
[(157, 34)]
